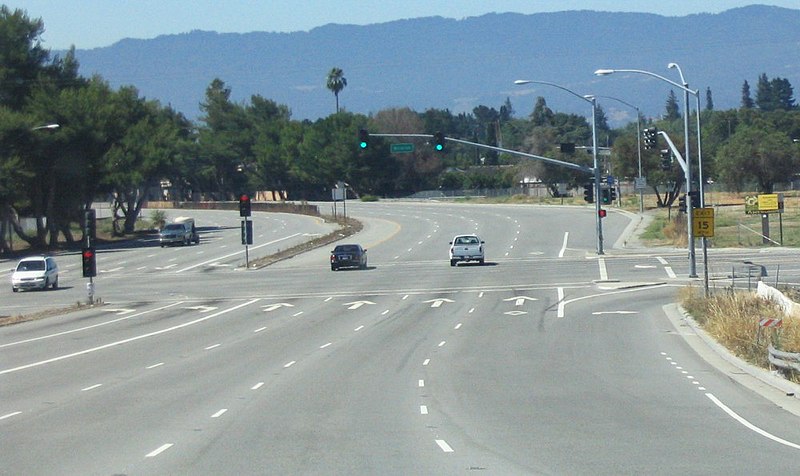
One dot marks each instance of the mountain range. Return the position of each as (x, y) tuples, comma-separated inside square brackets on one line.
[(434, 62)]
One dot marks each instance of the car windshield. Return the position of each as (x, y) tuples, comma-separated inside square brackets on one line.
[(33, 265), (346, 248), (173, 227), (466, 240)]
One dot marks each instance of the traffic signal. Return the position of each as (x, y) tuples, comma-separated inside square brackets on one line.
[(695, 198), (650, 138), (567, 147), (363, 138), (612, 191), (602, 213), (244, 205), (666, 159), (606, 195), (438, 141), (89, 258), (89, 227), (588, 192), (682, 203)]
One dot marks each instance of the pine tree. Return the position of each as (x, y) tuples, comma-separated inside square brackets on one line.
[(709, 100), (747, 100), (673, 112)]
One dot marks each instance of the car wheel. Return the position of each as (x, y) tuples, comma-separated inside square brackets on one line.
[(453, 262), (55, 284), (14, 289), (334, 268), (480, 261)]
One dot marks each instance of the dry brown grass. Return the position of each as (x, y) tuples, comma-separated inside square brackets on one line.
[(732, 318)]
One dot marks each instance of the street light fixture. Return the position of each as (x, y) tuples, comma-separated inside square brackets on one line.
[(688, 173), (47, 126), (591, 100)]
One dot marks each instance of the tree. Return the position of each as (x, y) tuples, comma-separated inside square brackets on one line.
[(541, 115), (709, 100), (747, 100), (756, 153), (673, 111), (336, 82)]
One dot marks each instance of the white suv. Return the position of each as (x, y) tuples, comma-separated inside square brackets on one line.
[(35, 272)]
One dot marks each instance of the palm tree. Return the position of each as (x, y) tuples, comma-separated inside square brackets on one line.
[(336, 82)]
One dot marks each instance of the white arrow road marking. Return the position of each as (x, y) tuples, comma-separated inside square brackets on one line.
[(120, 311), (272, 307), (515, 313), (356, 304), (520, 300), (599, 313), (437, 302), (201, 308)]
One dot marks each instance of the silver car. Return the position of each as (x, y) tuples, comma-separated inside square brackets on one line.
[(35, 272)]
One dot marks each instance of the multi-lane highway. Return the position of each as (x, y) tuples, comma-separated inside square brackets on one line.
[(549, 359)]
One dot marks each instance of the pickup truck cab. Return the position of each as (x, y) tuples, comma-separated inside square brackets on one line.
[(466, 248)]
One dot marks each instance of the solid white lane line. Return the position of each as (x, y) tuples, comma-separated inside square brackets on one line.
[(91, 387), (219, 413), (158, 450), (149, 367), (561, 302), (9, 415), (749, 425), (131, 339), (564, 245), (444, 446), (257, 386)]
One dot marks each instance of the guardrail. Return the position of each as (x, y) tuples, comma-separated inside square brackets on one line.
[(784, 360)]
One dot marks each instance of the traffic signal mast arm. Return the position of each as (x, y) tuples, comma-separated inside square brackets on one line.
[(674, 150), (581, 168)]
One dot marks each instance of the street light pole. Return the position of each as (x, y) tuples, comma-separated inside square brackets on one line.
[(688, 172), (597, 192), (638, 145)]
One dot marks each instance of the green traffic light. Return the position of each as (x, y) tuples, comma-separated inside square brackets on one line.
[(363, 145), (439, 147)]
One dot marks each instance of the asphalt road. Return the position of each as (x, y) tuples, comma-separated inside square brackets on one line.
[(547, 360)]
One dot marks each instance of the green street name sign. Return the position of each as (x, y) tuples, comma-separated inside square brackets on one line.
[(400, 148)]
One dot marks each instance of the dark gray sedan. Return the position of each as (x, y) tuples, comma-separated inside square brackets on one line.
[(348, 256)]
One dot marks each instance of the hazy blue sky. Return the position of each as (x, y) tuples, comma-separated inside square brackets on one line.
[(94, 23)]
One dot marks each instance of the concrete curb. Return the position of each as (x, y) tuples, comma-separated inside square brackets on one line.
[(785, 386)]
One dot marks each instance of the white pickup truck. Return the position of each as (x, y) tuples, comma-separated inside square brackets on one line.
[(466, 248)]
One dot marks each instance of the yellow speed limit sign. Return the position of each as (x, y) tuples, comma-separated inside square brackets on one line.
[(703, 222)]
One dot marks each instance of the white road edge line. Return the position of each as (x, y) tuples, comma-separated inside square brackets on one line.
[(749, 425), (564, 245), (104, 323), (601, 262), (237, 253), (126, 341)]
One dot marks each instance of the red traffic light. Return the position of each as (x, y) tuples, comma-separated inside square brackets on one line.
[(602, 213), (244, 198), (88, 254)]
